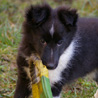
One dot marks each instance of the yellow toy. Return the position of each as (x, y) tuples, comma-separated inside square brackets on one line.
[(41, 89)]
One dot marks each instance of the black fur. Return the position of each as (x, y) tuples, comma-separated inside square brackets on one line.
[(38, 39), (36, 15)]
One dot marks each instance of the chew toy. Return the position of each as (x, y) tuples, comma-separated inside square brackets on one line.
[(41, 89)]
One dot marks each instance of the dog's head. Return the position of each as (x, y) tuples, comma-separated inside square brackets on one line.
[(50, 31)]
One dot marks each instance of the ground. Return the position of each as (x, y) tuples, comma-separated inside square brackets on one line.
[(11, 18)]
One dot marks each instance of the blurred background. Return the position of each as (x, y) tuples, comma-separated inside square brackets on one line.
[(11, 18)]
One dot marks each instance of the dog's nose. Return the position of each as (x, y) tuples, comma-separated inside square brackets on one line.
[(50, 66)]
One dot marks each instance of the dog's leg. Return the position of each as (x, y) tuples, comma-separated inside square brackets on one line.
[(23, 87), (56, 90), (27, 74), (57, 97)]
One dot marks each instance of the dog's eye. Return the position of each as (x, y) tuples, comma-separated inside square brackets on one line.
[(60, 42), (43, 41)]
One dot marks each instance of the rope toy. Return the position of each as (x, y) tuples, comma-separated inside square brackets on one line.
[(40, 88)]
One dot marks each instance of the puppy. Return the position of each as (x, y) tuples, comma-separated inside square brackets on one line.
[(66, 44)]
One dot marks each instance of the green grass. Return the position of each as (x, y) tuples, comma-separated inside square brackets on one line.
[(11, 18)]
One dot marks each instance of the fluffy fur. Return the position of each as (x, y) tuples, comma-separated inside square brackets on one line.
[(55, 75), (67, 45)]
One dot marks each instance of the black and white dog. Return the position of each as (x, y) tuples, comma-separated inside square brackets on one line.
[(67, 45)]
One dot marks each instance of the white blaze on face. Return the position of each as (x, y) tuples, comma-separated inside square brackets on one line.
[(51, 53), (52, 30)]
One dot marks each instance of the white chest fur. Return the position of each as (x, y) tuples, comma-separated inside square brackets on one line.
[(55, 75)]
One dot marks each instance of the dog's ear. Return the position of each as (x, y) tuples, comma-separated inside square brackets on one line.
[(36, 15), (68, 16)]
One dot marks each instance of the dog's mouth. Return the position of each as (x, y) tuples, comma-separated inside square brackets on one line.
[(50, 65)]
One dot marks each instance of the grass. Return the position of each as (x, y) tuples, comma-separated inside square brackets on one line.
[(11, 18)]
